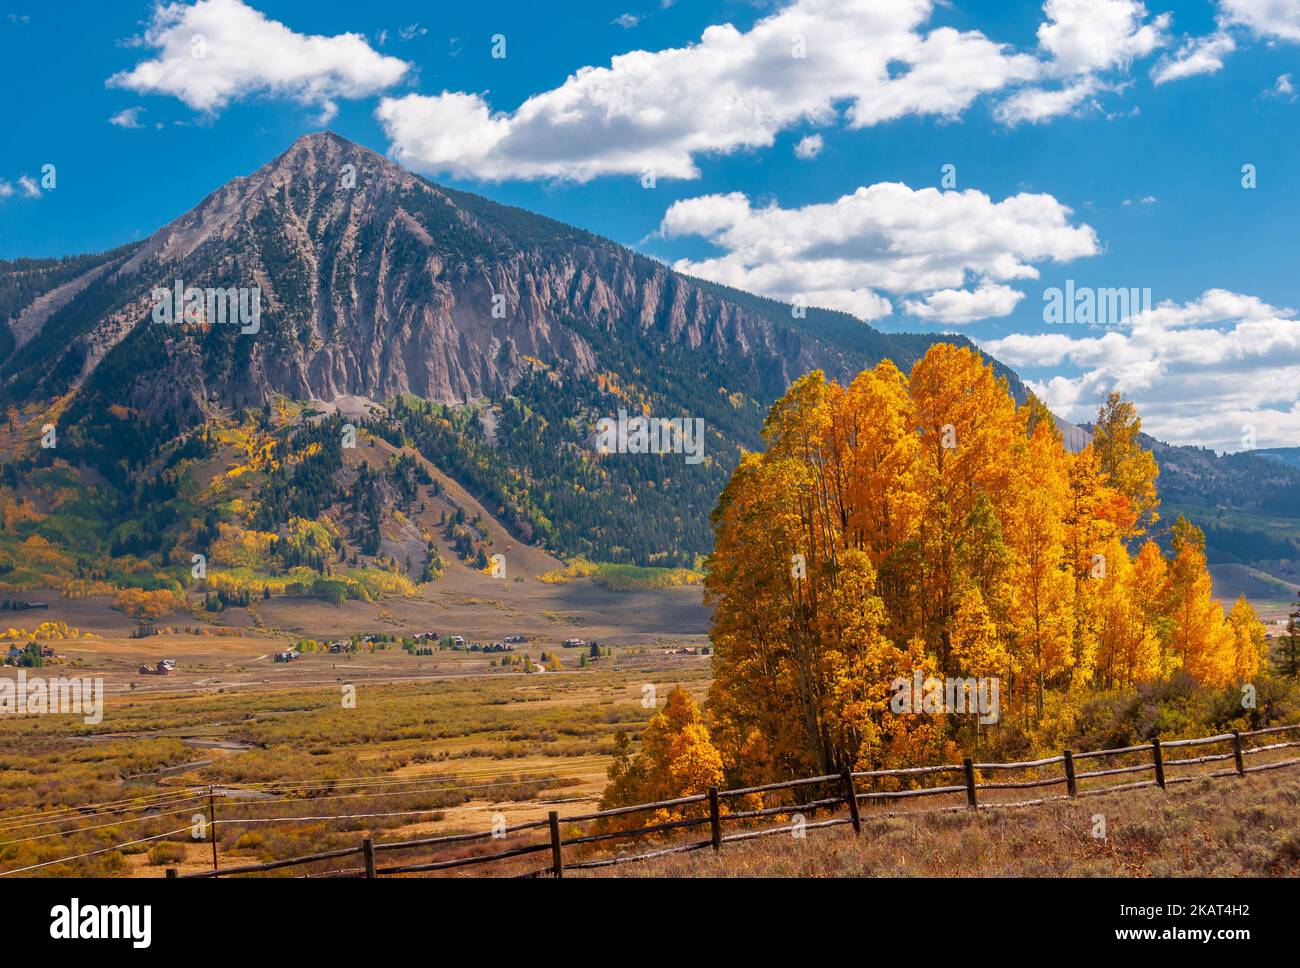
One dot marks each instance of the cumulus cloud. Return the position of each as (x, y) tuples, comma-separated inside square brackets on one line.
[(883, 238), (956, 306), (731, 90), (1095, 35), (1081, 41), (1199, 371), (27, 185), (216, 51)]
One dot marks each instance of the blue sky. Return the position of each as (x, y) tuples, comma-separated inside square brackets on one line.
[(1098, 141)]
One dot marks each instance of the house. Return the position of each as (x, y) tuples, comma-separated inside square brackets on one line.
[(47, 652), (165, 667), (574, 644), (458, 641), (285, 656), (14, 654), (516, 639)]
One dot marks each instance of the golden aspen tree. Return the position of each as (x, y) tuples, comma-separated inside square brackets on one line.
[(1249, 646), (1199, 639), (970, 432), (879, 505), (1125, 466), (1042, 585), (677, 757), (1128, 647)]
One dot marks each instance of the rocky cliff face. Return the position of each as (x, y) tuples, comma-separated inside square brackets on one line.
[(375, 282)]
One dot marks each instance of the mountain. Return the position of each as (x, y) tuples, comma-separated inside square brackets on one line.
[(482, 337), (1248, 506)]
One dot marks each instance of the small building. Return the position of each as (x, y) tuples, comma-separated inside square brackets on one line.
[(286, 656), (574, 644)]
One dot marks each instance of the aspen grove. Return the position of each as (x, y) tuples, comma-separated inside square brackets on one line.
[(927, 522)]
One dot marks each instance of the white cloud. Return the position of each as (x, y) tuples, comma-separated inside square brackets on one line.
[(27, 185), (888, 238), (963, 306), (1096, 35), (729, 91), (809, 147), (626, 20), (1080, 41), (6, 189), (1212, 306), (130, 118), (1198, 371), (1035, 104), (411, 31), (1269, 20), (216, 51), (1283, 87), (1197, 55), (1278, 19)]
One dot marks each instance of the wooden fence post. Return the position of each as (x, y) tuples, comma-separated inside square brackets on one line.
[(1236, 753), (368, 852), (212, 825), (1070, 784), (171, 872), (1159, 761), (557, 857), (968, 767), (851, 795), (715, 819)]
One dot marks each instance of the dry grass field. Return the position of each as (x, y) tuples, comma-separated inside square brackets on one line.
[(1228, 827), (436, 743)]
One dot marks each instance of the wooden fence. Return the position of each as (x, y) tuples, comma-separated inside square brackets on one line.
[(843, 794)]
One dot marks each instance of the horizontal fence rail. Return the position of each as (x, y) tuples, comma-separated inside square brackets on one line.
[(847, 797)]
